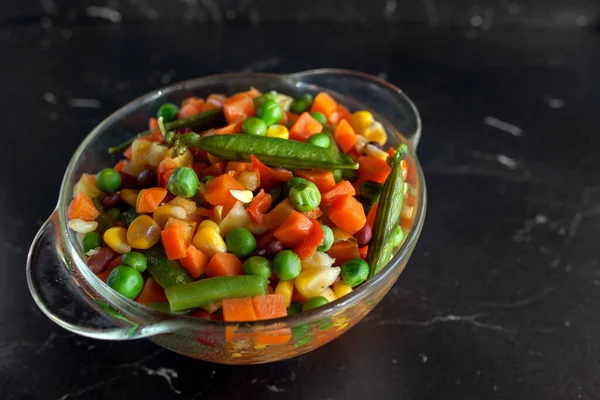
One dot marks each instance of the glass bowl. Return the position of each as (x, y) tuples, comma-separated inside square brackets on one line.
[(67, 291)]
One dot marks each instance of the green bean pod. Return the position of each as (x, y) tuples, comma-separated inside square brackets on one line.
[(204, 291), (388, 215), (271, 151), (166, 272), (199, 122)]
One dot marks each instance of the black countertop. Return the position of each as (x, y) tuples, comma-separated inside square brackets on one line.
[(499, 298)]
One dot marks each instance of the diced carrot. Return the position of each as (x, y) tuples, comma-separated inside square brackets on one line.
[(237, 167), (273, 336), (173, 239), (128, 153), (191, 100), (203, 212), (345, 136), (269, 306), (164, 171), (189, 110), (371, 216), (252, 92), (269, 177), (82, 207), (278, 214), (152, 123), (406, 217), (372, 169), (234, 127), (294, 229), (348, 214), (214, 170), (149, 199), (304, 127), (339, 114), (296, 296), (152, 292), (119, 166), (238, 106), (291, 117), (343, 188), (214, 101), (313, 214), (259, 206), (343, 251), (224, 264), (189, 227), (363, 252), (218, 191), (324, 180), (411, 172), (309, 245), (324, 103), (239, 310), (194, 262), (112, 265)]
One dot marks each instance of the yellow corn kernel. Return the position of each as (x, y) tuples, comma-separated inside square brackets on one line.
[(376, 133), (341, 289), (162, 214), (140, 151), (360, 120), (133, 169), (209, 241), (143, 233), (129, 196), (116, 239), (188, 205), (250, 179), (376, 152), (188, 227), (209, 224), (213, 159), (328, 294), (87, 185), (81, 226), (286, 288), (278, 131), (312, 281)]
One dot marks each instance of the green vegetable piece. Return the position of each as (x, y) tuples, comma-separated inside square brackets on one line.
[(208, 178), (371, 190), (286, 265), (388, 214), (200, 122), (327, 240), (302, 103), (269, 112), (314, 302), (165, 272), (258, 266), (398, 237), (254, 126), (272, 151), (91, 241), (294, 308), (205, 291), (337, 175), (305, 196), (294, 181), (168, 112), (129, 216), (108, 180), (354, 272), (349, 175), (135, 260), (114, 213), (240, 241), (126, 281), (319, 116), (320, 139), (183, 182), (260, 100)]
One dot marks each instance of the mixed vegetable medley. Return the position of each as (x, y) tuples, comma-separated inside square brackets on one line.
[(249, 207)]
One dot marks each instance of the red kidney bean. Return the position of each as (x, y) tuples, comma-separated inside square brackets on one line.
[(273, 248), (99, 261), (363, 237), (128, 181), (111, 200), (146, 178)]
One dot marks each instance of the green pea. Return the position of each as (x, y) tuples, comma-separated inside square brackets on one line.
[(91, 241), (183, 182), (270, 112), (327, 240), (301, 103), (354, 272), (135, 260), (258, 266), (294, 308), (126, 281), (320, 139), (314, 302), (294, 181), (260, 100), (254, 126), (305, 196), (286, 265), (108, 180), (168, 112), (319, 116), (398, 237), (240, 241), (349, 175), (114, 212), (208, 178)]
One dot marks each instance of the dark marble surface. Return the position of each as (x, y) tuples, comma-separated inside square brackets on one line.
[(499, 300)]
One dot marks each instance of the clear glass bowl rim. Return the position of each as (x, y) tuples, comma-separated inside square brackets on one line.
[(144, 313)]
